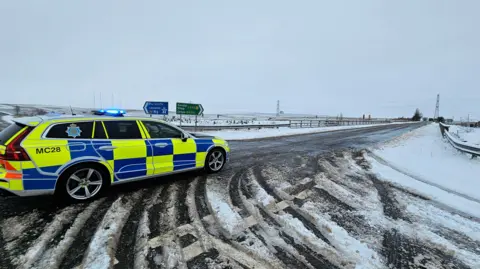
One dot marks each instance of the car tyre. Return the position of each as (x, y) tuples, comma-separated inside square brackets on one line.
[(83, 182), (215, 160)]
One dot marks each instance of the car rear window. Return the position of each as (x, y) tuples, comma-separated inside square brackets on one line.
[(9, 132), (71, 130)]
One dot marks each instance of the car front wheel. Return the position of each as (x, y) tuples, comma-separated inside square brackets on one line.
[(215, 160)]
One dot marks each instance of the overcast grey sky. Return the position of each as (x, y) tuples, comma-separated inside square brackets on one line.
[(324, 57)]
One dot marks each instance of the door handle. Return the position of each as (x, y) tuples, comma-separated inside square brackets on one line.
[(108, 148), (161, 145)]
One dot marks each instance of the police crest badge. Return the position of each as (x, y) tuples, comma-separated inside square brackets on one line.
[(73, 130)]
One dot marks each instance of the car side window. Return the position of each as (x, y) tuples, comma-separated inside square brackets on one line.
[(99, 132), (71, 130), (125, 129), (160, 130)]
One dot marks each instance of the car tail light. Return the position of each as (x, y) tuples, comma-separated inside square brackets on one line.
[(15, 152)]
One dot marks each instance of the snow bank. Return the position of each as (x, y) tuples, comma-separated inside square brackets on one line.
[(470, 135), (283, 131), (424, 154)]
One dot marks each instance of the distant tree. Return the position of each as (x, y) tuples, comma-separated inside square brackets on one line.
[(441, 119), (417, 116)]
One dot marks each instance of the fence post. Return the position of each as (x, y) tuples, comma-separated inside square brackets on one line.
[(310, 124)]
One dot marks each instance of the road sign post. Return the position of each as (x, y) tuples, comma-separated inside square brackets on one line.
[(155, 108)]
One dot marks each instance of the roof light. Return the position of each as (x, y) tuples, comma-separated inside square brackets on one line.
[(109, 112)]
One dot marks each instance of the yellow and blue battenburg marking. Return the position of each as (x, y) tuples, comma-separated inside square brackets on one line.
[(131, 158)]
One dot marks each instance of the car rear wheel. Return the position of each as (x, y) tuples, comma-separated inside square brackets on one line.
[(215, 160), (82, 183)]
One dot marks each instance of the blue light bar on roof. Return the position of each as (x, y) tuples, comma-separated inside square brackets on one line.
[(110, 112)]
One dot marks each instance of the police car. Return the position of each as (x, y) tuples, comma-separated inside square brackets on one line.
[(78, 157)]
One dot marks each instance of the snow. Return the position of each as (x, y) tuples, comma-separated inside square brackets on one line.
[(434, 168), (14, 227), (143, 232), (52, 258), (470, 135), (434, 193), (218, 200), (434, 216), (282, 131), (51, 230), (260, 194), (363, 256), (229, 219), (295, 228), (8, 119), (102, 248)]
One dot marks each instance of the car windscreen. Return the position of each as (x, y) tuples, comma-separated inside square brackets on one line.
[(9, 132)]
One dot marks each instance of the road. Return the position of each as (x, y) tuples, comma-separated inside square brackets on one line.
[(306, 201)]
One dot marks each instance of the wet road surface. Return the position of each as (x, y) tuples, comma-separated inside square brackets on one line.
[(306, 201)]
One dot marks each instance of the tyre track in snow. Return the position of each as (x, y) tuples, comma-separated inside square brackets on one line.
[(162, 225), (291, 254), (81, 242), (235, 224), (286, 254), (319, 256), (431, 253), (102, 248), (290, 207), (129, 236), (216, 244)]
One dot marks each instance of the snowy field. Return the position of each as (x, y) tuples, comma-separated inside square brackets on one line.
[(264, 133), (423, 160), (466, 134)]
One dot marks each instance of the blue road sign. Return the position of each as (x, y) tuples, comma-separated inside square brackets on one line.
[(157, 108)]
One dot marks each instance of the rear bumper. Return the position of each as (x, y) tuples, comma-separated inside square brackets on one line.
[(8, 192), (14, 186)]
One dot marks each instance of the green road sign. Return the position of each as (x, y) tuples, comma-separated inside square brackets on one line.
[(189, 109)]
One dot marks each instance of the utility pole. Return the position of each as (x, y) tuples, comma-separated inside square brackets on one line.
[(437, 108), (278, 108)]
